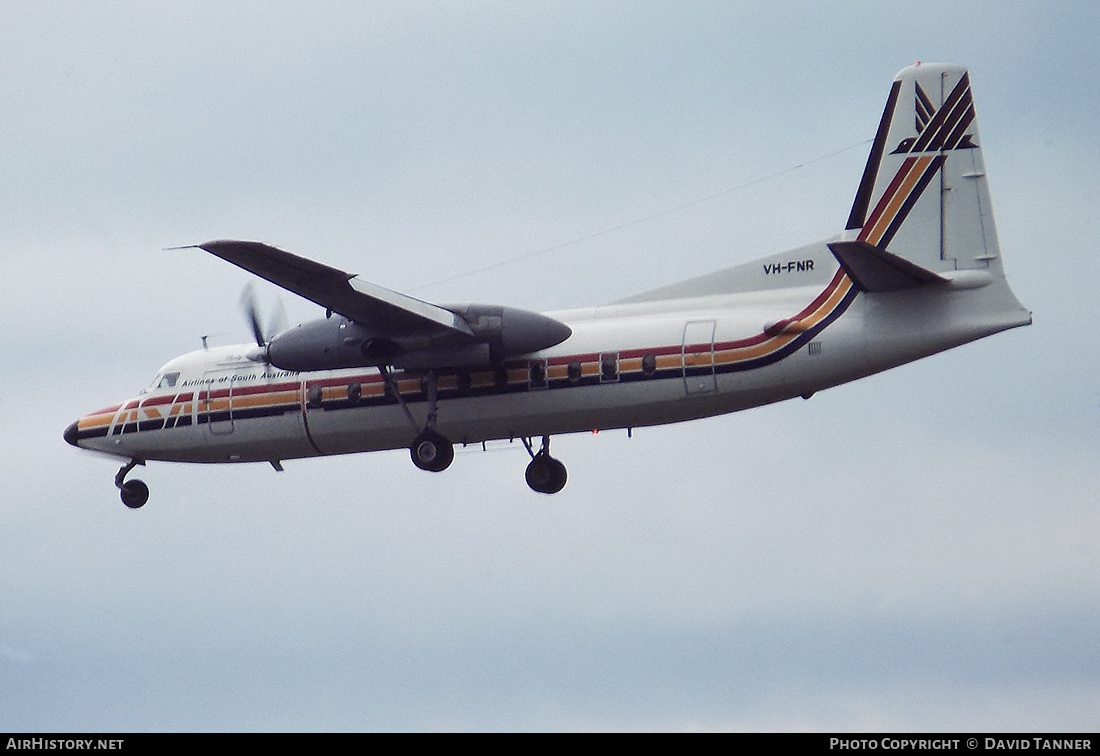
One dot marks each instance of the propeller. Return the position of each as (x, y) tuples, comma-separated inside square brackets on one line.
[(276, 322)]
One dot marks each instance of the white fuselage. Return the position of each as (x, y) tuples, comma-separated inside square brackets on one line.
[(690, 352)]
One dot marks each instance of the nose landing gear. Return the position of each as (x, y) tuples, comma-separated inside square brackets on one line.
[(544, 474), (134, 493)]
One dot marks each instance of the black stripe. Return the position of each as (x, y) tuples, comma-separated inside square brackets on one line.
[(858, 216), (947, 111), (803, 339), (960, 130), (93, 433), (676, 373), (924, 107), (958, 113)]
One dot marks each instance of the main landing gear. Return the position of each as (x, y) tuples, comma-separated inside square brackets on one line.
[(134, 493), (430, 450), (434, 452)]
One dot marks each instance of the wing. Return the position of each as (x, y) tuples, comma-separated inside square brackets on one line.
[(339, 291)]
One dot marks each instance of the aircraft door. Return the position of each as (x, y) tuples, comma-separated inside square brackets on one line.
[(698, 357), (216, 402)]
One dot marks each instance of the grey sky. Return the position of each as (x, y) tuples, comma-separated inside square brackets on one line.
[(915, 551)]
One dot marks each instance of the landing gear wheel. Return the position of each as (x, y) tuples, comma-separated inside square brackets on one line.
[(545, 474), (134, 493), (432, 452)]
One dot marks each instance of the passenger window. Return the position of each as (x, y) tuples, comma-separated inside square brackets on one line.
[(609, 366), (538, 374)]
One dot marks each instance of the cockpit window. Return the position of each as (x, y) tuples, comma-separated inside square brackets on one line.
[(168, 380)]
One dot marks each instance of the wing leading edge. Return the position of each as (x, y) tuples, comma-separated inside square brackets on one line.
[(338, 290)]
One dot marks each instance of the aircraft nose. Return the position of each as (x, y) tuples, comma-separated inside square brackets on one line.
[(71, 434)]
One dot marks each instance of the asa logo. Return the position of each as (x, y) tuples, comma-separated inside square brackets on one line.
[(944, 128)]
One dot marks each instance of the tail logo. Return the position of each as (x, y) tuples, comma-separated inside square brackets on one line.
[(944, 128)]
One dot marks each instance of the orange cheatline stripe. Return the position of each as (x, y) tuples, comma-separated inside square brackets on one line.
[(265, 400), (883, 221), (94, 421), (741, 354), (842, 288), (777, 342), (889, 192), (823, 306)]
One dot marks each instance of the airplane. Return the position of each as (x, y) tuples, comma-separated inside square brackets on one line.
[(916, 270)]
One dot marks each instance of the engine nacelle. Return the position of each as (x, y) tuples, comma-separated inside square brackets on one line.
[(336, 342), (510, 331)]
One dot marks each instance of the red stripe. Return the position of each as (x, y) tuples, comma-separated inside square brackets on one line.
[(590, 357), (887, 196)]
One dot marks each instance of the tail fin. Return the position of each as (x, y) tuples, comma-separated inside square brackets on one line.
[(922, 212)]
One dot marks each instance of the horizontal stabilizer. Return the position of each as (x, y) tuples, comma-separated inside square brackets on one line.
[(876, 269)]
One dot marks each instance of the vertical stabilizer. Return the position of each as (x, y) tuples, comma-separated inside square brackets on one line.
[(924, 197)]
